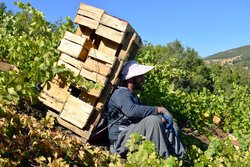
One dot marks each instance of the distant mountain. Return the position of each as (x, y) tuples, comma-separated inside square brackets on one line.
[(238, 56)]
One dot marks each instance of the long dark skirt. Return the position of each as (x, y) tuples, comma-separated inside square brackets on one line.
[(166, 142)]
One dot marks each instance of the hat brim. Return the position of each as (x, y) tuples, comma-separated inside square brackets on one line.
[(137, 70)]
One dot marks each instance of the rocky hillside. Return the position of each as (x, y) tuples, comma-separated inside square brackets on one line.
[(238, 56)]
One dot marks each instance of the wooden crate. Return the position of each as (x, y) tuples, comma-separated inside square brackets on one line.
[(96, 52), (75, 71), (90, 64), (54, 96), (108, 47), (110, 33), (93, 76), (84, 31), (75, 46), (88, 16), (102, 57), (76, 111)]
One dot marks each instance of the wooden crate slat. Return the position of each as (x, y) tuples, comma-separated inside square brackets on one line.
[(103, 99), (124, 52), (72, 61), (133, 51), (77, 105), (138, 41), (93, 24), (55, 90), (108, 47), (110, 33), (76, 111), (90, 14), (60, 80), (89, 64), (84, 31), (83, 133), (121, 60), (137, 37), (70, 67), (116, 70), (88, 98), (73, 49), (84, 42), (114, 22), (54, 96), (70, 48), (92, 92), (97, 67), (94, 53), (89, 8), (93, 76), (95, 92), (51, 102)]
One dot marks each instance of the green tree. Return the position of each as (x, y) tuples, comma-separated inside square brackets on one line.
[(3, 12), (28, 42), (197, 74), (225, 77)]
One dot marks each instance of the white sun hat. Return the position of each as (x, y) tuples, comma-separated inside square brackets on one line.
[(132, 68)]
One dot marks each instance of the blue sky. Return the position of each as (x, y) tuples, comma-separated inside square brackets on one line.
[(208, 26)]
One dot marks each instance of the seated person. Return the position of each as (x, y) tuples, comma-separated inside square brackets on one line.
[(126, 115)]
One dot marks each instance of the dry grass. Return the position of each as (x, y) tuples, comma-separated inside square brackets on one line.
[(228, 61)]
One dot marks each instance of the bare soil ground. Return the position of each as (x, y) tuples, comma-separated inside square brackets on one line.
[(219, 133)]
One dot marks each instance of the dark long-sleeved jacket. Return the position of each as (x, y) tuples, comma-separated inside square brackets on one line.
[(125, 105)]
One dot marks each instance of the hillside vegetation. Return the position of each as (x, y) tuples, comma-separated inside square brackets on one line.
[(236, 57), (200, 97)]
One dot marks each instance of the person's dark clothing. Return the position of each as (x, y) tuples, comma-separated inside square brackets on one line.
[(123, 103), (134, 117)]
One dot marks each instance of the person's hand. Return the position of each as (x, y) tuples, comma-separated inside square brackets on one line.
[(168, 117)]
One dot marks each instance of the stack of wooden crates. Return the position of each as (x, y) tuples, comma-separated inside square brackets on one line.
[(97, 52)]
